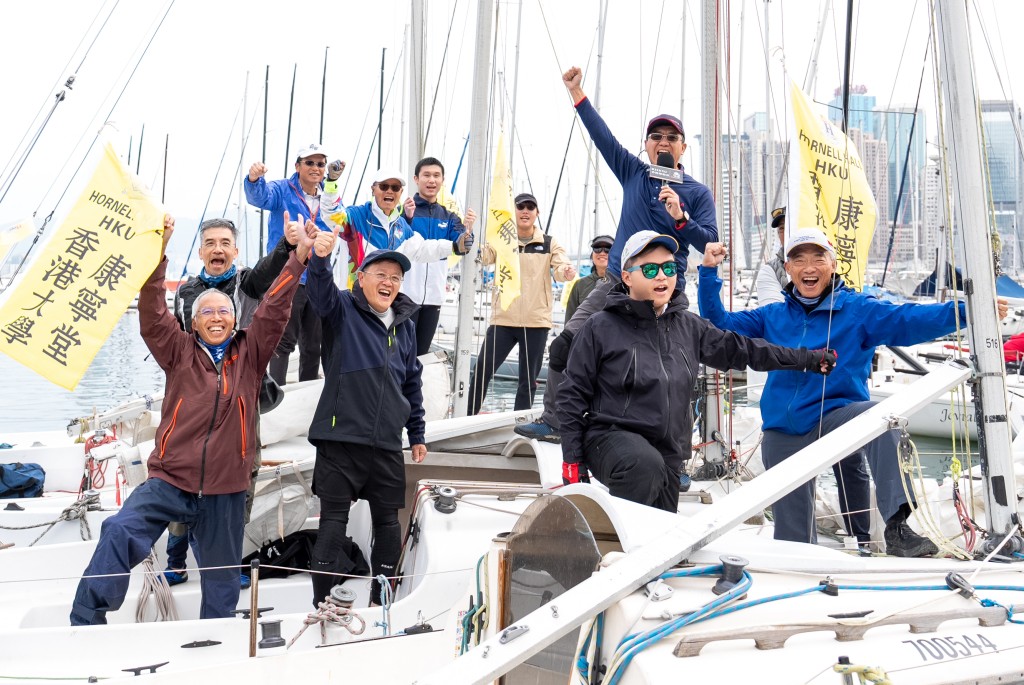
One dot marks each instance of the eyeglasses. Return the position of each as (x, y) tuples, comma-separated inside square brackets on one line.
[(670, 137), (526, 205), (811, 260), (393, 187), (311, 163), (651, 270), (381, 277), (221, 311), (600, 250)]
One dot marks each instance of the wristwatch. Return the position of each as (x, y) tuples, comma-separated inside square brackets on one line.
[(682, 222)]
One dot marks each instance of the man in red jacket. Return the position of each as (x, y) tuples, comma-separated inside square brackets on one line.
[(200, 467)]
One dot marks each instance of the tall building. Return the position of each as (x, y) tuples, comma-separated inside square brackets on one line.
[(1005, 176), (763, 186)]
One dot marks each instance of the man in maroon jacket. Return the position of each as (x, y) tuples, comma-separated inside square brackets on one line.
[(200, 467)]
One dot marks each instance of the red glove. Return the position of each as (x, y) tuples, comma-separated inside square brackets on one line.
[(574, 473)]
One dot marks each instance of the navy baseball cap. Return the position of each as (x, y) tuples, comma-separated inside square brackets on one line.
[(666, 120), (380, 255)]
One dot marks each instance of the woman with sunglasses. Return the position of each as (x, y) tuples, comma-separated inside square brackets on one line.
[(624, 404), (599, 249)]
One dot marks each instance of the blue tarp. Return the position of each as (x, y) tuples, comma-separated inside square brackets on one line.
[(1007, 287), (927, 286)]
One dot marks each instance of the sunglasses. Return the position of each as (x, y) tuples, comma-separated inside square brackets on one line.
[(670, 137), (651, 270), (393, 187), (526, 205), (310, 162), (601, 250)]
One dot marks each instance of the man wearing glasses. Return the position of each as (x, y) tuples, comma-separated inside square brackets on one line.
[(527, 321), (381, 225), (599, 248), (624, 405), (300, 197), (684, 211), (372, 390), (245, 287)]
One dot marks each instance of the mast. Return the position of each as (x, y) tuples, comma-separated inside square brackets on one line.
[(715, 447), (597, 105), (475, 196), (970, 213), (846, 65), (515, 94), (263, 157), (416, 142)]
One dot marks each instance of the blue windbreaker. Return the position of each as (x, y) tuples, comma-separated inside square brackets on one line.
[(850, 323), (641, 210)]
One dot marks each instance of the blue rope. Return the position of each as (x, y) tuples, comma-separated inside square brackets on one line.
[(1008, 610)]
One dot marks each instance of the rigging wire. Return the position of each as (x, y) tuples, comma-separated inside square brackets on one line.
[(440, 72), (46, 221), (67, 84)]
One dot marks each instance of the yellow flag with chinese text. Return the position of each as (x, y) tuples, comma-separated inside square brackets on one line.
[(89, 271), (828, 188), (501, 229), (448, 201)]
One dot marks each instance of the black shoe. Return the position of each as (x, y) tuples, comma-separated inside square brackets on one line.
[(538, 430), (902, 541)]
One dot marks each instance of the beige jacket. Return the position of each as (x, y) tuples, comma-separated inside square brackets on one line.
[(541, 257)]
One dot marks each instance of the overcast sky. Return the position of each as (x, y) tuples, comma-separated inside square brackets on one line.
[(190, 85)]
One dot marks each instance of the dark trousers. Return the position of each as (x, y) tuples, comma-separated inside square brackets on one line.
[(303, 328), (127, 537), (794, 513), (498, 342), (632, 469), (592, 303), (426, 318)]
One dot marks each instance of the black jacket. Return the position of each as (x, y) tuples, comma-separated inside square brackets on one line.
[(372, 380), (633, 371), (246, 289)]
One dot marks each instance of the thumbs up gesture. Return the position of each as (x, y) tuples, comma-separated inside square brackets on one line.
[(324, 243)]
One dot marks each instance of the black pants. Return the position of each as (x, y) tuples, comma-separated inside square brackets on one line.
[(344, 472), (632, 469), (498, 342), (303, 328), (426, 318)]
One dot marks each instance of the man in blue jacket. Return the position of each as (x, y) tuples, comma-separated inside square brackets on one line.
[(820, 310), (372, 389), (685, 211), (300, 197), (426, 282), (625, 402)]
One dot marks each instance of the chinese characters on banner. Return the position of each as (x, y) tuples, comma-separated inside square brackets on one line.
[(501, 229), (828, 188), (92, 267)]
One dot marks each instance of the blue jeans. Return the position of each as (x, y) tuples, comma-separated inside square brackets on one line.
[(216, 522), (794, 513)]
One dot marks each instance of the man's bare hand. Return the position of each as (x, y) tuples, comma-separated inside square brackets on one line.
[(167, 232), (573, 80), (469, 220), (714, 254), (323, 245), (292, 229), (257, 171), (419, 452), (410, 207)]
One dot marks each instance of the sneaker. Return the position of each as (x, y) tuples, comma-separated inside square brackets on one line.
[(902, 541), (684, 482), (244, 581), (175, 577), (538, 430)]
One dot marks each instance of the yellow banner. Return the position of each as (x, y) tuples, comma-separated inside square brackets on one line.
[(828, 188), (448, 201), (11, 234), (501, 229), (62, 312)]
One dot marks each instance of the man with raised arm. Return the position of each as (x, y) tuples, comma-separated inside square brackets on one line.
[(684, 211), (371, 392), (299, 195), (201, 464)]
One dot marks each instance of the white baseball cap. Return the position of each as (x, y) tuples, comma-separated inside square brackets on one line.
[(384, 173), (312, 149), (809, 236), (638, 242)]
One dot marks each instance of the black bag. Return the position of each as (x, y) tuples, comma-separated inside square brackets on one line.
[(271, 393), (295, 551), (21, 480)]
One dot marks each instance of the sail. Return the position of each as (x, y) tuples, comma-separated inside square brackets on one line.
[(828, 188), (90, 270), (501, 229)]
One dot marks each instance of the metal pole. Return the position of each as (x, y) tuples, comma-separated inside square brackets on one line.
[(380, 109), (138, 158), (416, 50), (476, 195), (846, 64), (263, 156), (163, 188), (288, 135), (515, 95)]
